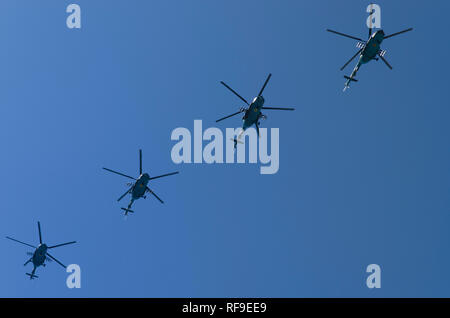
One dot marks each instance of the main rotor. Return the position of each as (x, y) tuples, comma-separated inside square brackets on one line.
[(42, 245), (259, 97), (363, 43)]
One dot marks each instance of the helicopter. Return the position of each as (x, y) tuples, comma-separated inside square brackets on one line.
[(252, 114), (139, 187), (40, 254), (368, 50)]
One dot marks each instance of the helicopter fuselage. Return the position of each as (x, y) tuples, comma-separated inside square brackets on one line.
[(39, 256), (253, 112), (372, 47), (140, 186), (369, 52)]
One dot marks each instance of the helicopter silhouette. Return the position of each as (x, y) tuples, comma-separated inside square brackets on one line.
[(139, 187), (368, 50), (40, 254), (252, 114)]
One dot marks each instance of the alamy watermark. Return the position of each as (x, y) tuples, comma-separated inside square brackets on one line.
[(213, 151), (74, 279), (73, 21), (374, 18), (374, 279)]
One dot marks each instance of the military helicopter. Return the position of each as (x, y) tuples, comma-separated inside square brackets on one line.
[(40, 254), (368, 50), (252, 114), (139, 187)]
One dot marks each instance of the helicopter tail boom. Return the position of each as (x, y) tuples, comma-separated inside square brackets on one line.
[(236, 141)]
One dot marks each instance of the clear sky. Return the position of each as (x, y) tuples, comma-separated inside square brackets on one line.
[(364, 175)]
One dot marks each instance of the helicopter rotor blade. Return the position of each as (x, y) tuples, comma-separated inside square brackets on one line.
[(10, 238), (278, 108), (123, 195), (346, 35), (385, 61), (40, 235), (56, 260), (242, 98), (234, 114), (54, 246), (351, 59), (397, 33), (120, 174), (265, 83), (164, 175), (154, 194), (140, 161)]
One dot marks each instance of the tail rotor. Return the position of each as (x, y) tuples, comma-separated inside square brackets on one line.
[(127, 210), (32, 276)]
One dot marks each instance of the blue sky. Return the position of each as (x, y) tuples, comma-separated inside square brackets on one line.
[(364, 175)]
